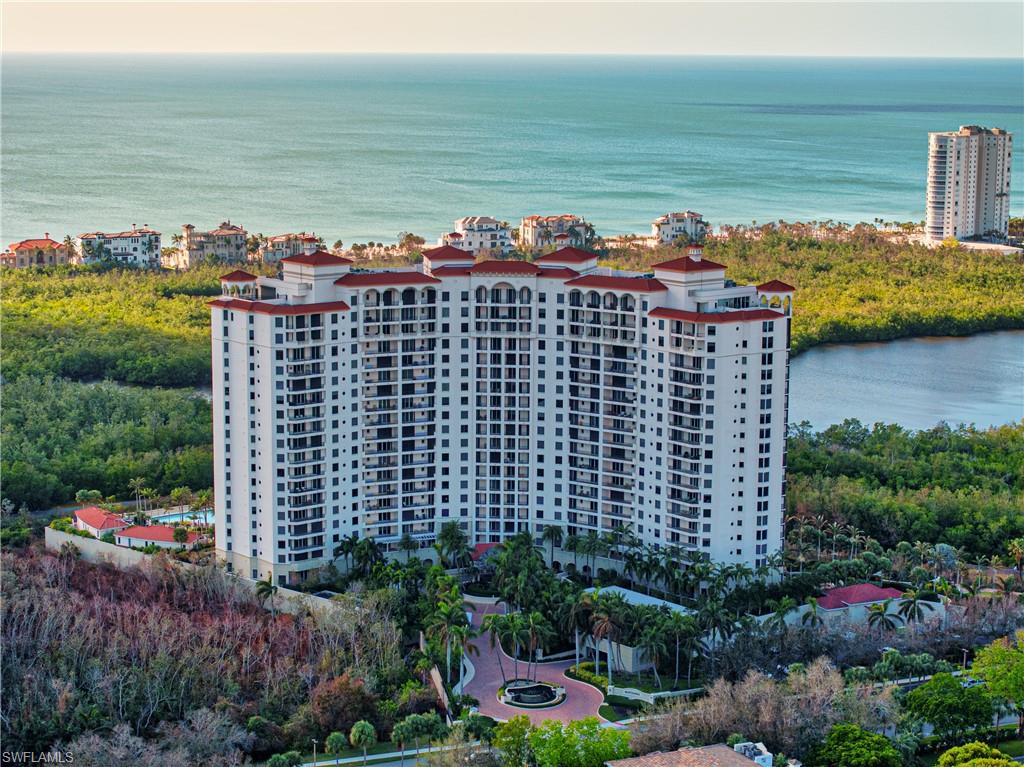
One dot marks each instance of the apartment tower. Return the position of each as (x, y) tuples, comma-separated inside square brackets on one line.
[(968, 183), (503, 395)]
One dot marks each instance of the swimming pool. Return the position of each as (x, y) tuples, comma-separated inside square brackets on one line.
[(202, 517)]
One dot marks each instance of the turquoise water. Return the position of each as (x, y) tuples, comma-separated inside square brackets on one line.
[(203, 517), (362, 147)]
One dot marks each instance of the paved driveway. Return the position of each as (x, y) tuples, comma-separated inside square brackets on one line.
[(581, 699)]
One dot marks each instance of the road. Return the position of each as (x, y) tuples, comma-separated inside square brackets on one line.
[(581, 699)]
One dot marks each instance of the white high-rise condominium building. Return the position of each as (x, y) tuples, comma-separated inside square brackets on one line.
[(968, 183), (503, 395)]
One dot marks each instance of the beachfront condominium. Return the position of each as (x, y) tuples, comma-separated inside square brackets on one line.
[(506, 396), (225, 243), (968, 183), (537, 232), (134, 247), (678, 227), (479, 235), (273, 249)]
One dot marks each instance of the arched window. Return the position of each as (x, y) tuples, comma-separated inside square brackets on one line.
[(429, 296), (408, 296), (481, 295), (775, 302), (627, 303), (764, 300), (593, 300), (787, 304), (575, 298), (611, 301), (524, 295), (390, 297), (372, 298)]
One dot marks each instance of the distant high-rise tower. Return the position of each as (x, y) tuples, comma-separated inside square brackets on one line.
[(968, 183)]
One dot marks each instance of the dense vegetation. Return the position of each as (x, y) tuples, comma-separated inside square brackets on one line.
[(91, 323), (863, 286), (958, 486), (60, 437)]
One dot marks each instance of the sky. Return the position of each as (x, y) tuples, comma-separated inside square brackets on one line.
[(917, 29)]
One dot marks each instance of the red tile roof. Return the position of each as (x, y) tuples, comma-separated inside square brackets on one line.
[(718, 755), (480, 549), (263, 307), (454, 235), (373, 279), (156, 533), (562, 236), (859, 594), (775, 286), (562, 272), (687, 264), (319, 258), (505, 267), (40, 243), (452, 270), (447, 253), (101, 519), (637, 284), (567, 256), (740, 315), (238, 276)]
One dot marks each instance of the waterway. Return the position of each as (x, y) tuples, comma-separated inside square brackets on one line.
[(915, 382)]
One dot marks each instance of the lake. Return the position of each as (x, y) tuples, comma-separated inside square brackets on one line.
[(916, 382)]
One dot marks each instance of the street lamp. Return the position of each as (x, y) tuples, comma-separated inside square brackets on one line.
[(314, 750), (965, 657)]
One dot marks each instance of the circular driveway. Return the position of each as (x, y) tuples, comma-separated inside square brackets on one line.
[(581, 699)]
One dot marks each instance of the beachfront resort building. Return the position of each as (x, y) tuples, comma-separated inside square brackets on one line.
[(41, 252), (565, 230), (225, 243), (672, 227), (968, 183), (273, 249), (479, 235), (134, 247), (502, 395)]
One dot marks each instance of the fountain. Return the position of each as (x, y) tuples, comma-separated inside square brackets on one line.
[(529, 694)]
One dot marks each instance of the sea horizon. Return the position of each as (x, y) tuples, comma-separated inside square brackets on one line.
[(361, 146)]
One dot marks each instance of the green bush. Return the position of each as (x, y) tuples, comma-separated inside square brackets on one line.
[(585, 673)]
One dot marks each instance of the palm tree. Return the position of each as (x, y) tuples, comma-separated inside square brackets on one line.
[(579, 616), (346, 548), (267, 589), (880, 617), (447, 618), (366, 554), (335, 744), (777, 620), (652, 643), (572, 543), (552, 535), (835, 528), (1015, 548), (538, 632), (408, 544), (137, 485), (603, 626), (912, 607), (812, 617), (363, 735), (496, 626), (463, 636), (516, 634), (716, 622)]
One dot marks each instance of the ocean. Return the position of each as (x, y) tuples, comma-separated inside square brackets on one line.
[(363, 147)]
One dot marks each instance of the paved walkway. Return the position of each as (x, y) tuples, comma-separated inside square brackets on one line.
[(581, 699)]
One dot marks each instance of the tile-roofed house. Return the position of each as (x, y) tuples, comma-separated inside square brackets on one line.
[(718, 755), (480, 235), (99, 522), (133, 247), (280, 246), (540, 231), (227, 243), (160, 535), (858, 594), (38, 252)]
